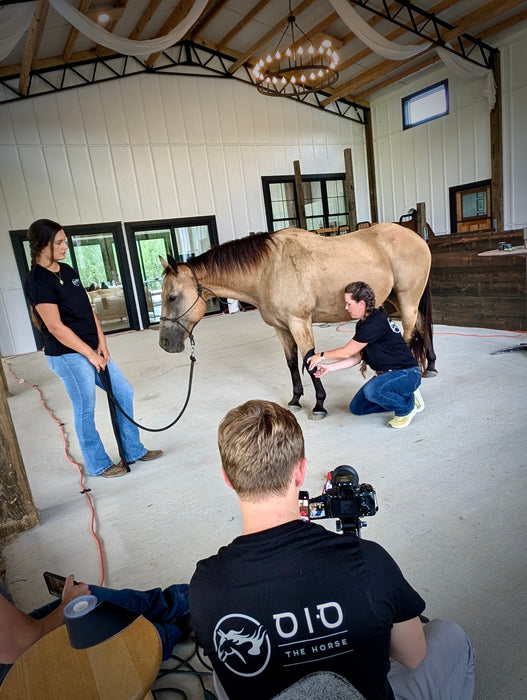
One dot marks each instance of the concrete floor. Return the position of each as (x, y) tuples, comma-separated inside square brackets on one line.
[(451, 488)]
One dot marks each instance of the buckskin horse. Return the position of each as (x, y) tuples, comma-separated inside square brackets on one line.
[(296, 278)]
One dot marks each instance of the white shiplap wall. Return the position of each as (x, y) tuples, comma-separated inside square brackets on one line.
[(154, 147), (422, 163)]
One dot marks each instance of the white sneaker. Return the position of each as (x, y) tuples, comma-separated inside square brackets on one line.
[(418, 401)]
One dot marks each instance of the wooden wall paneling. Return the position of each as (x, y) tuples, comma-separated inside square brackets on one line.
[(105, 180), (468, 290), (236, 187), (47, 116), (192, 115), (145, 176), (114, 113), (201, 178), (252, 189), (24, 123), (186, 195), (173, 106), (221, 207), (153, 107), (165, 180), (307, 158), (19, 323), (244, 122), (133, 107), (70, 116), (36, 182), (93, 115), (61, 182), (84, 184), (13, 186), (210, 101), (517, 179), (126, 181)]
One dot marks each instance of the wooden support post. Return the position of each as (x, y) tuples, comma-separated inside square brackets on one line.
[(350, 189), (421, 220), (496, 150), (300, 195), (17, 510), (372, 181)]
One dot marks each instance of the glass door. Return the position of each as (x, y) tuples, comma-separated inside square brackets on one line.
[(97, 252), (183, 239)]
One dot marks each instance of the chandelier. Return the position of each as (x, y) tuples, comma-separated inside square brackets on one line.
[(298, 69)]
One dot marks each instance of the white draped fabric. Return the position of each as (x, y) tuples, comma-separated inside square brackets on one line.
[(373, 40), (127, 47), (459, 66), (14, 23)]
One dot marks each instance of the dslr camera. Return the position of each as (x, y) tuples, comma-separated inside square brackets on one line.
[(343, 498)]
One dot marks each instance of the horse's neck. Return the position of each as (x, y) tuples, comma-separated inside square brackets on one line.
[(234, 285)]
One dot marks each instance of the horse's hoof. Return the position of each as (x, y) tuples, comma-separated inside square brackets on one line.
[(318, 415), (294, 408), (431, 373)]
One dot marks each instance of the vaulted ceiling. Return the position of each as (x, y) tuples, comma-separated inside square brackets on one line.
[(231, 35)]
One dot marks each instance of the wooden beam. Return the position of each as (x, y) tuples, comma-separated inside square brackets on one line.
[(299, 189), (144, 19), (110, 26), (176, 16), (32, 46), (279, 27), (242, 23), (350, 189), (496, 151), (370, 160), (74, 33), (17, 510), (206, 18)]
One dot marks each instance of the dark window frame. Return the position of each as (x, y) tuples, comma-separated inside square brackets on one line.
[(323, 179), (405, 102), (19, 236), (133, 227), (470, 186)]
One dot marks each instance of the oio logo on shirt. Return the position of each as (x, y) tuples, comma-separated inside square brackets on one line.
[(242, 644)]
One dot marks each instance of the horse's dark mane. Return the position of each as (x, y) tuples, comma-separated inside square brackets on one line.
[(243, 254)]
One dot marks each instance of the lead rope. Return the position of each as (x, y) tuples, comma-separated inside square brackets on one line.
[(112, 398)]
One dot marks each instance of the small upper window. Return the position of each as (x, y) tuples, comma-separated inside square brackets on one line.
[(425, 105)]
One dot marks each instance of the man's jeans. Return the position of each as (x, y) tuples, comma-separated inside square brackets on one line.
[(80, 379), (390, 391)]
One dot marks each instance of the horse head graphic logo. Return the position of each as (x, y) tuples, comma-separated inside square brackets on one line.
[(242, 644)]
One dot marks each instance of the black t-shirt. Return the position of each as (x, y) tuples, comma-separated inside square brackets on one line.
[(273, 606), (386, 347), (43, 287)]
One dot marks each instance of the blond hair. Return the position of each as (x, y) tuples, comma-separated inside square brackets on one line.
[(260, 443)]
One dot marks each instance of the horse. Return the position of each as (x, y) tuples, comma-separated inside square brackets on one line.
[(296, 278)]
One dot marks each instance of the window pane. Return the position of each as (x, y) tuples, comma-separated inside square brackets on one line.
[(425, 105)]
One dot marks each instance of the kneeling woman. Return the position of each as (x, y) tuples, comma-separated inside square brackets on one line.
[(379, 344)]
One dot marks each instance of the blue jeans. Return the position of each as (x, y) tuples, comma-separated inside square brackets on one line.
[(80, 378), (391, 391)]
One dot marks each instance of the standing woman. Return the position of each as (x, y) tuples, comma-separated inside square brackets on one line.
[(378, 343), (76, 349)]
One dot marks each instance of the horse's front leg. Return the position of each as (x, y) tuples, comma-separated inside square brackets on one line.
[(291, 355), (302, 332)]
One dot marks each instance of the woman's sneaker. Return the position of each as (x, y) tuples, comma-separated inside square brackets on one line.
[(402, 421), (418, 401)]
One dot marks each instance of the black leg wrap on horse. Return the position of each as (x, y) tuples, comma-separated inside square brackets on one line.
[(309, 354)]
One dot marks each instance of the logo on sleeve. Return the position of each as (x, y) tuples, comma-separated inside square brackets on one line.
[(242, 644), (394, 326), (76, 282)]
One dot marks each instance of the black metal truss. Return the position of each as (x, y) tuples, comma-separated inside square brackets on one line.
[(405, 14), (184, 58)]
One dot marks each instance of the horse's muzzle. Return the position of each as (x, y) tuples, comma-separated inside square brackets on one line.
[(169, 343)]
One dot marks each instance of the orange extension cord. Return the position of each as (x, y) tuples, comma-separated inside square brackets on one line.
[(84, 490)]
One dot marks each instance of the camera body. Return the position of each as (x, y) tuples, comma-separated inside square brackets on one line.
[(343, 498)]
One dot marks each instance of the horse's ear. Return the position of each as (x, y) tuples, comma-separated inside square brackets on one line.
[(170, 265)]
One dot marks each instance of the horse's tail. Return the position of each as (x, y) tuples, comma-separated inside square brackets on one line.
[(421, 343)]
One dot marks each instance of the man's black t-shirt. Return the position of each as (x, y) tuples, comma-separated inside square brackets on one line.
[(273, 606), (43, 287), (386, 348)]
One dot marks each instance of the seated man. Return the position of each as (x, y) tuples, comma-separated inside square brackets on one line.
[(166, 609), (288, 598)]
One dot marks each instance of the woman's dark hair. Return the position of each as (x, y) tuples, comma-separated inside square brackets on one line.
[(360, 291), (40, 233)]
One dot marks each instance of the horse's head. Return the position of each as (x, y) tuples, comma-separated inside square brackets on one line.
[(182, 305)]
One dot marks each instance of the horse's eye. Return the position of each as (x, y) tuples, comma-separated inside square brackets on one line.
[(172, 297)]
